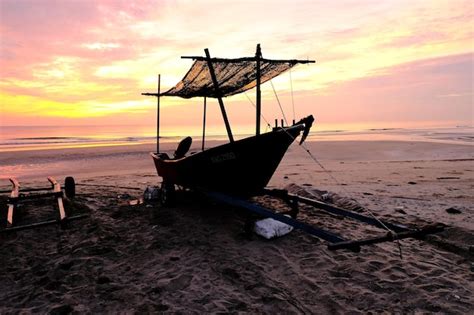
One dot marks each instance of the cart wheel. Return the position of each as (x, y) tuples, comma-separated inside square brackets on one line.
[(70, 187), (167, 194)]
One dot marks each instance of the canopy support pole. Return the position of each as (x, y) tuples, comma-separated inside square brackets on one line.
[(218, 94), (204, 123), (258, 55), (158, 117)]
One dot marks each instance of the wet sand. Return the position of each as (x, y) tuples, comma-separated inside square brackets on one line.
[(195, 257)]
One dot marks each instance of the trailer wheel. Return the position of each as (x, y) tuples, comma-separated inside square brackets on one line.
[(70, 187), (167, 194)]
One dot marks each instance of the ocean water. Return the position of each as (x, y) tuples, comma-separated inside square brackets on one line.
[(19, 138)]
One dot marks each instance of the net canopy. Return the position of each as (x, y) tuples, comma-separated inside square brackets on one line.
[(233, 77)]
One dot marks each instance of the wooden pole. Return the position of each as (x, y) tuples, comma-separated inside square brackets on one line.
[(258, 55), (158, 116), (236, 60), (44, 223), (218, 95), (11, 205), (204, 123), (57, 189)]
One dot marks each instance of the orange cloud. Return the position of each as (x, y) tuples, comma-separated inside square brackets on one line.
[(83, 59)]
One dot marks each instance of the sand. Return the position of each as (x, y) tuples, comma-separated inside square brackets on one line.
[(195, 258)]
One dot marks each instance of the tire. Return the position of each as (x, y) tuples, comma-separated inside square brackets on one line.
[(70, 187)]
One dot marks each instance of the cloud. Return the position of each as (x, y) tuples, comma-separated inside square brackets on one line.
[(434, 89), (84, 53)]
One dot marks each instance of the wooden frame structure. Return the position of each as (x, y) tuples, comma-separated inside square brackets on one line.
[(398, 231), (17, 195)]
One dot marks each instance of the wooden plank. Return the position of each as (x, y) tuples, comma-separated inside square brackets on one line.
[(14, 194), (43, 223), (338, 211), (389, 237), (57, 188), (25, 190), (34, 196)]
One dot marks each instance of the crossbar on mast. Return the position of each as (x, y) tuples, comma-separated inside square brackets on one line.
[(232, 60)]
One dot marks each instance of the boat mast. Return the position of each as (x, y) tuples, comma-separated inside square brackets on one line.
[(258, 55), (157, 113), (218, 95), (204, 123), (158, 117)]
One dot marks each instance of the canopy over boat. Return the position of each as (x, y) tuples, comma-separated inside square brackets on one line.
[(220, 77), (233, 76)]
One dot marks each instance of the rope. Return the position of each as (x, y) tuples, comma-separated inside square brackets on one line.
[(393, 233), (108, 186), (279, 104), (338, 183), (253, 104), (335, 180), (323, 168), (292, 98)]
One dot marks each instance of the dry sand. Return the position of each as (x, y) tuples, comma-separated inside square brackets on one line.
[(194, 258)]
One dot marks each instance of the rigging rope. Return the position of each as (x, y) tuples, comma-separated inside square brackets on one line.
[(292, 98), (279, 104), (266, 121), (393, 233), (338, 183)]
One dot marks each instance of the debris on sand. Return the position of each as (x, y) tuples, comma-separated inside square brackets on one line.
[(453, 210)]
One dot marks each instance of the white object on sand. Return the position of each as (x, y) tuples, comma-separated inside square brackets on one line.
[(270, 228)]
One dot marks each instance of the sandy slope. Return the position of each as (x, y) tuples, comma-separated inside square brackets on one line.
[(195, 258)]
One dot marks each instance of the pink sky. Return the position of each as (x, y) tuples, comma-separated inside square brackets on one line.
[(86, 62)]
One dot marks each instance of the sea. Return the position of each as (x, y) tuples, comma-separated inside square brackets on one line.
[(20, 138)]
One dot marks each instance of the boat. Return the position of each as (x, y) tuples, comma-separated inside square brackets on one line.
[(232, 172), (240, 167)]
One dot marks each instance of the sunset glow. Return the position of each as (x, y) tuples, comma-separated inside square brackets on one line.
[(86, 62)]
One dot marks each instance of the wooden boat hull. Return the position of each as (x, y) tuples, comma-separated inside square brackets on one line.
[(242, 167)]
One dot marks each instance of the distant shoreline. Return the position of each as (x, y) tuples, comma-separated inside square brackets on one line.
[(91, 161), (59, 139)]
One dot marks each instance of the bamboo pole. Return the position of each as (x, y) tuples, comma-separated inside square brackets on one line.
[(158, 116), (218, 95), (204, 123), (236, 60), (258, 55)]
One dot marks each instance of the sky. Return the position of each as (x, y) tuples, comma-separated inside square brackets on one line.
[(378, 63)]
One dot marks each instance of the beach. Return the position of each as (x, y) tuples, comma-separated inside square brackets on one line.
[(195, 258)]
